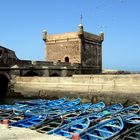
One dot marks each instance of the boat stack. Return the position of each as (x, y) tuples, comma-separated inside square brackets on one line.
[(74, 120)]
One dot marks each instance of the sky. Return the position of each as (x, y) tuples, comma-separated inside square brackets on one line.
[(22, 23)]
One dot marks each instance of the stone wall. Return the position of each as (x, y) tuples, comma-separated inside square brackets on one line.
[(63, 47), (7, 57), (91, 55), (66, 49), (108, 88)]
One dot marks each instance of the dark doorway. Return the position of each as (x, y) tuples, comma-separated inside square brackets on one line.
[(3, 85), (31, 73), (66, 59)]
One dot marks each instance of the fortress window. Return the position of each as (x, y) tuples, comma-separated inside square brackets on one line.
[(66, 59)]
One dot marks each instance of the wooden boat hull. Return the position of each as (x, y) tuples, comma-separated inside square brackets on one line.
[(97, 107), (29, 122), (134, 109), (55, 108), (103, 130), (50, 125), (132, 119), (68, 104), (74, 127), (130, 134)]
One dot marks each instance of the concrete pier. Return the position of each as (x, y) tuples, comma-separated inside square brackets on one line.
[(17, 133)]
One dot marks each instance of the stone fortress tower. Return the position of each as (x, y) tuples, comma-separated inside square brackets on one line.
[(79, 47)]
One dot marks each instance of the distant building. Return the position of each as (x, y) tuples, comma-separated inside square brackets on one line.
[(75, 47)]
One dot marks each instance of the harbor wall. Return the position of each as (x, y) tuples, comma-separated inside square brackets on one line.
[(108, 88)]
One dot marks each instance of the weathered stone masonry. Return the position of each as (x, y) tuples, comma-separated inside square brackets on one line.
[(108, 88)]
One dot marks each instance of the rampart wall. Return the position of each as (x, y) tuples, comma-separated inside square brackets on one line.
[(108, 88)]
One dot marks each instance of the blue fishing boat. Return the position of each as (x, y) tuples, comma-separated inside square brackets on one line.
[(17, 117), (103, 130), (10, 107), (130, 114), (77, 127), (50, 125), (56, 108), (70, 110), (88, 107), (81, 111), (55, 102), (68, 104), (81, 108), (29, 122), (16, 108), (132, 133), (97, 107), (43, 108), (6, 114), (110, 110), (46, 111), (134, 109), (5, 107), (11, 115), (69, 116), (84, 107), (20, 110), (55, 113), (36, 111), (132, 119), (91, 107)]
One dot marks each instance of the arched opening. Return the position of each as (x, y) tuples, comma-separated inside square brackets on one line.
[(31, 73), (55, 75), (3, 85), (66, 59)]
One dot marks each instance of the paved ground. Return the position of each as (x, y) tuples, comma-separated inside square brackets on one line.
[(16, 133)]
